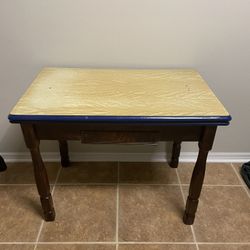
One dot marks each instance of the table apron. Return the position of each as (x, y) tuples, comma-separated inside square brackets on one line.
[(116, 133)]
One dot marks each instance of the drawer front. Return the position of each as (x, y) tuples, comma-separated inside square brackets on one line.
[(106, 137)]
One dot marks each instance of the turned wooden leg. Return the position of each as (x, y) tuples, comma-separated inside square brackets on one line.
[(63, 145), (175, 154), (205, 144), (40, 172), (3, 166)]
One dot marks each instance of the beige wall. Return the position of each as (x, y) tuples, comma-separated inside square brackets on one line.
[(211, 36)]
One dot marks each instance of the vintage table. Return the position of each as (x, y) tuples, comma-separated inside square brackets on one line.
[(119, 106)]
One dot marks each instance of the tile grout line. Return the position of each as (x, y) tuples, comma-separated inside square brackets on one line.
[(125, 184), (183, 198), (117, 206), (216, 185), (17, 184), (87, 184), (121, 242), (113, 183), (42, 223), (181, 243), (241, 181)]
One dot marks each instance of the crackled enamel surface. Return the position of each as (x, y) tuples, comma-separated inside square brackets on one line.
[(110, 92)]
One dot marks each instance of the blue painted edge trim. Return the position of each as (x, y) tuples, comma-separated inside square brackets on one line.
[(195, 120)]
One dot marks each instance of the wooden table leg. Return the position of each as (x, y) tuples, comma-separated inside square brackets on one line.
[(3, 166), (175, 154), (64, 152), (42, 183), (205, 144)]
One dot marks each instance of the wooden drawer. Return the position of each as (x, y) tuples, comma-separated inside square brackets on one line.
[(106, 137)]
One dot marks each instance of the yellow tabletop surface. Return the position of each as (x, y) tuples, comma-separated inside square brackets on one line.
[(119, 92)]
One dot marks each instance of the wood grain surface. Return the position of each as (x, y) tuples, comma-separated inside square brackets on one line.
[(111, 92)]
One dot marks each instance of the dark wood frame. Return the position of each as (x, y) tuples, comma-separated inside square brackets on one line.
[(3, 166), (101, 132)]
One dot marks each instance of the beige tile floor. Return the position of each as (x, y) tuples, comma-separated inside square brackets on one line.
[(125, 206)]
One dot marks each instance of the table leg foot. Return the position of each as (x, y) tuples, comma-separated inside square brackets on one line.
[(188, 219), (175, 155), (48, 208), (64, 152), (189, 214)]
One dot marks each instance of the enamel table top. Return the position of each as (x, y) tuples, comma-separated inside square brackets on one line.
[(70, 94)]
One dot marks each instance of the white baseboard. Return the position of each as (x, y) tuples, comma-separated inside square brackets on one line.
[(129, 157)]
